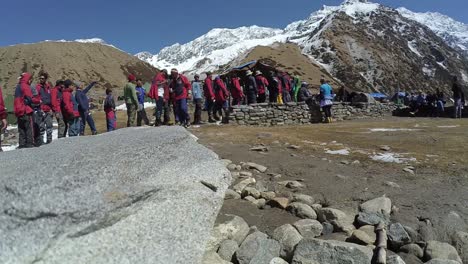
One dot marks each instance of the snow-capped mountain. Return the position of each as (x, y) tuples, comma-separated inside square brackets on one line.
[(367, 33), (216, 48), (453, 32)]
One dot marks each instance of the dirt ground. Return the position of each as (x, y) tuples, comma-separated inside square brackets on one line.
[(436, 148)]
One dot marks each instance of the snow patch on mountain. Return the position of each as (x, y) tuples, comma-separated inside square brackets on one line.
[(90, 40), (455, 33)]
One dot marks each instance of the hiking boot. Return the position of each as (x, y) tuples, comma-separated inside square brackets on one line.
[(211, 120), (94, 133)]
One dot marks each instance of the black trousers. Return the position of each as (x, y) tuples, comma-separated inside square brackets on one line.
[(141, 116), (261, 98), (210, 107), (25, 131), (251, 97), (198, 111)]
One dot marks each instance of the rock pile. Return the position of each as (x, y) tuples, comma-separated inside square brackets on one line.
[(325, 235)]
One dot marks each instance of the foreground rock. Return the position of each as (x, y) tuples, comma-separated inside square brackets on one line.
[(460, 241), (213, 258), (440, 250), (288, 237), (258, 248), (233, 228), (80, 206), (331, 252)]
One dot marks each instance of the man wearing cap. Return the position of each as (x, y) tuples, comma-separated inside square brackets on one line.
[(160, 93), (3, 117), (131, 100), (209, 96), (83, 107), (23, 106), (45, 123), (180, 87), (197, 100), (70, 111), (262, 84), (56, 100), (251, 87)]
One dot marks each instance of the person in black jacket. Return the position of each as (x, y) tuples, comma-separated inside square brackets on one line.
[(251, 88)]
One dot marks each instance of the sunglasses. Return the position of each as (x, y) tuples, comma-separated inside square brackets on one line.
[(41, 78)]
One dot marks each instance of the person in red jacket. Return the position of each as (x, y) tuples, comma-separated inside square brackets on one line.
[(180, 87), (56, 100), (3, 117), (262, 85), (286, 84), (236, 91), (221, 103), (23, 107), (160, 93), (44, 92), (209, 96), (70, 111)]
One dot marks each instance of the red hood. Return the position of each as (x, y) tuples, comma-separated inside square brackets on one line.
[(25, 77)]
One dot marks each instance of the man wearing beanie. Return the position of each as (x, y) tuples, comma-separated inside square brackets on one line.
[(131, 100)]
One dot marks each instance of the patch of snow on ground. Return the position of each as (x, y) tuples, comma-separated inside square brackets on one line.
[(392, 129), (338, 152), (391, 158), (448, 126), (413, 48), (123, 107), (428, 71)]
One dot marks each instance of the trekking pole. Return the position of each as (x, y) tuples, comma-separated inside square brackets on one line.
[(381, 243)]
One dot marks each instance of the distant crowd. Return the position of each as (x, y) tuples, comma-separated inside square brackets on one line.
[(67, 102)]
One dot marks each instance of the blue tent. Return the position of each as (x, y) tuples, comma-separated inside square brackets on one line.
[(378, 95), (245, 65)]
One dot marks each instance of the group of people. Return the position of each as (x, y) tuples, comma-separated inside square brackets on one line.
[(37, 106), (433, 104), (216, 95)]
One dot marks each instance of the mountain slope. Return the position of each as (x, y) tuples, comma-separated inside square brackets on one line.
[(78, 61)]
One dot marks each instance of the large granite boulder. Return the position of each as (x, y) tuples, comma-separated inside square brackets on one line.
[(138, 195)]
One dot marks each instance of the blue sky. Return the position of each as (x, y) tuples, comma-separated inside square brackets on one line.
[(149, 25)]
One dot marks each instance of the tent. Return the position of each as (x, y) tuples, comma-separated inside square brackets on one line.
[(378, 95)]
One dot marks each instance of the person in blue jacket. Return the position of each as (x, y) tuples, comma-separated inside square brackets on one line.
[(141, 94), (326, 99), (197, 99), (83, 107)]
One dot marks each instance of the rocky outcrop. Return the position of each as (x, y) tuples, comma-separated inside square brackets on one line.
[(131, 196)]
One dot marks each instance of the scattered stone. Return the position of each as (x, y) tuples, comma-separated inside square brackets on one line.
[(385, 148), (413, 234), (294, 147), (212, 257), (342, 177), (260, 203), (235, 175), (246, 174), (264, 135), (311, 251), (251, 165), (397, 236), (259, 149), (257, 248), (460, 242), (309, 228), (250, 199), (294, 185), (371, 218), (408, 170), (268, 195), (378, 205), (279, 202), (227, 249), (302, 210), (226, 162), (370, 231), (241, 185), (356, 162), (413, 249), (288, 237), (249, 191), (391, 184), (232, 167), (234, 228), (361, 238), (339, 236), (327, 229), (316, 207), (440, 250), (395, 259), (345, 162), (339, 219), (261, 186), (302, 198), (278, 261), (276, 142), (238, 168), (451, 224), (231, 195), (426, 231)]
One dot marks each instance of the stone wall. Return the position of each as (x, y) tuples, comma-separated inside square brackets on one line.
[(300, 113)]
